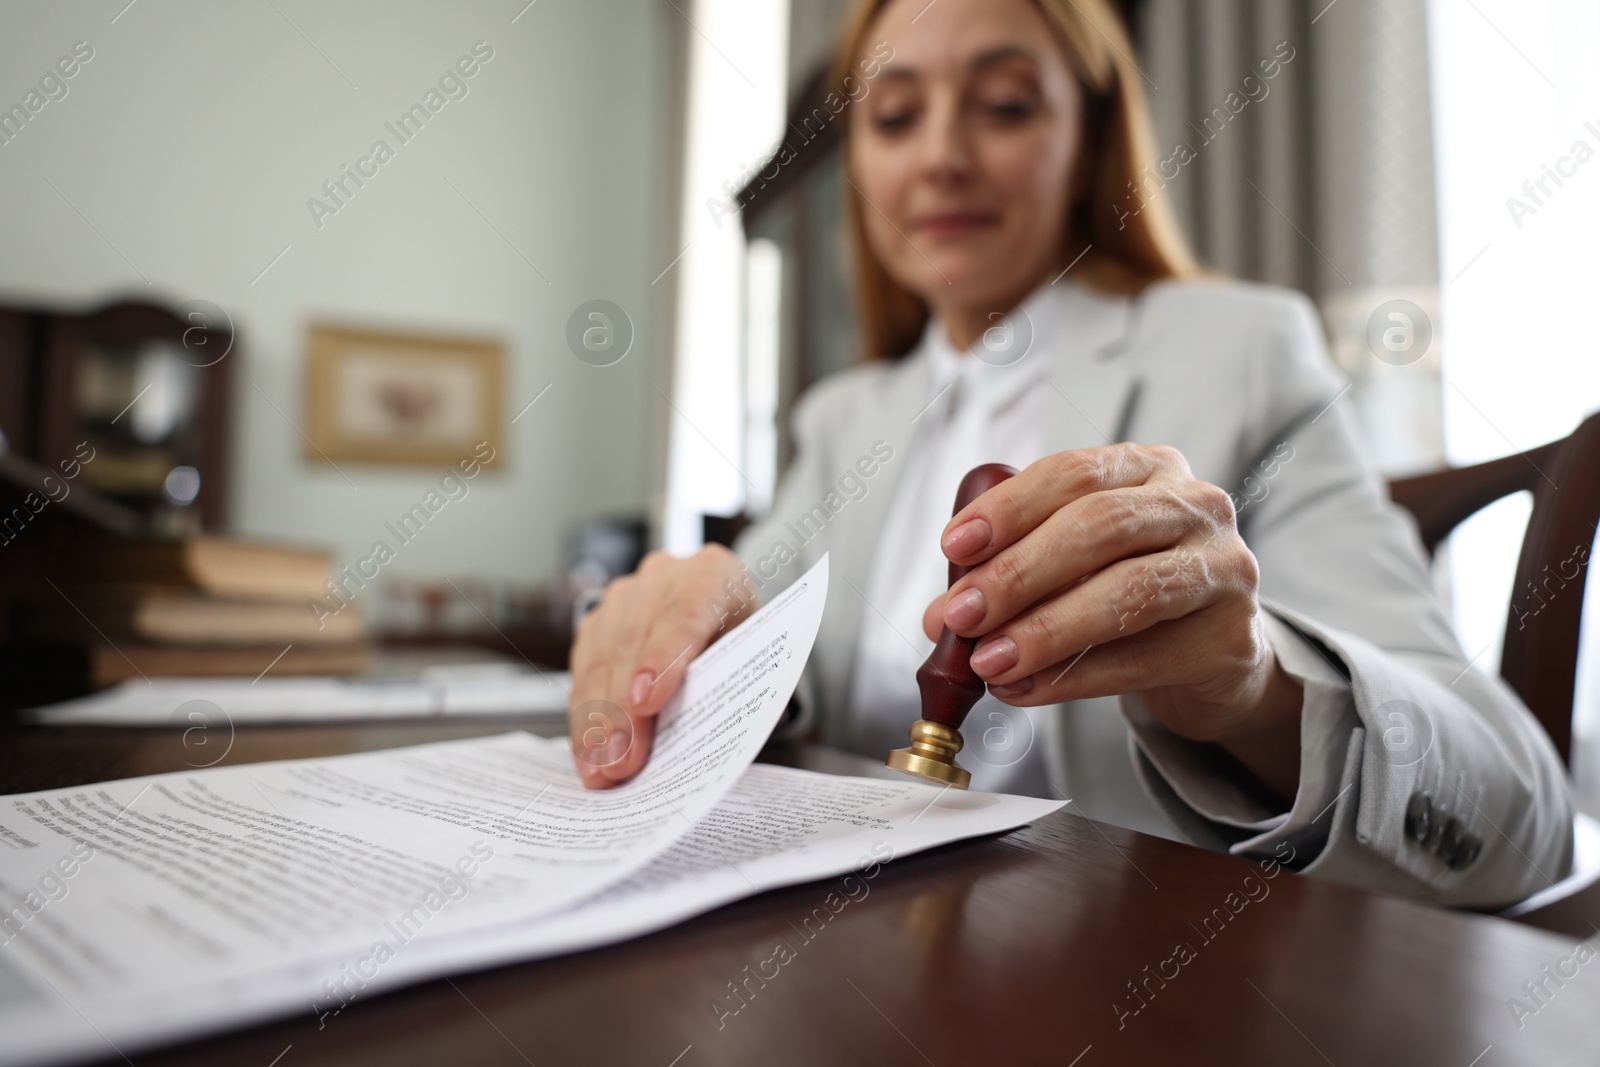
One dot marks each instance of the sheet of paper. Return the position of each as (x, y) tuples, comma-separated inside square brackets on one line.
[(245, 701), (775, 827), (163, 887)]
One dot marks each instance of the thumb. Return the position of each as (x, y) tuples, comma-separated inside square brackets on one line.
[(933, 617)]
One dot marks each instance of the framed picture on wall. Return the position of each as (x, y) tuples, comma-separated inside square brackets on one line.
[(402, 398)]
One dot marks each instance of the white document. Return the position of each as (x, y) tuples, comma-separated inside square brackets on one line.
[(776, 827), (244, 701), (145, 910)]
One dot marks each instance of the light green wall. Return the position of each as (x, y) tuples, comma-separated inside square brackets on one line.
[(192, 141)]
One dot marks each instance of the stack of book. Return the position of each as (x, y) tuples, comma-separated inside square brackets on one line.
[(208, 606)]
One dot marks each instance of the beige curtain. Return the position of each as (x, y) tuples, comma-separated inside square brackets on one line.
[(1300, 136)]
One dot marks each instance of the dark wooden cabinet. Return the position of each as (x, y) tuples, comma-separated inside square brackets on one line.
[(142, 388)]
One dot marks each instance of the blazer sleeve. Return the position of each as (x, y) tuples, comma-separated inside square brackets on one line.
[(1420, 774)]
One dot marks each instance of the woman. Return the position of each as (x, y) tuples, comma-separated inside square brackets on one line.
[(1225, 632)]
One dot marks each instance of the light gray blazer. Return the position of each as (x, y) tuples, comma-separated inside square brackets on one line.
[(1420, 776)]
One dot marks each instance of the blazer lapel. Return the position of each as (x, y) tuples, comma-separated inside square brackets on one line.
[(1092, 378)]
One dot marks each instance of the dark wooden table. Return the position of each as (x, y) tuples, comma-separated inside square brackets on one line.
[(1024, 948)]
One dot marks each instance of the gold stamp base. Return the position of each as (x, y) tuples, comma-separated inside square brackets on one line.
[(932, 755)]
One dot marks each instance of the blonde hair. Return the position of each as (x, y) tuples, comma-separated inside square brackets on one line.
[(1126, 251)]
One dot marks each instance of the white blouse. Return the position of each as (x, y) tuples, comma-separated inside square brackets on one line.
[(987, 407)]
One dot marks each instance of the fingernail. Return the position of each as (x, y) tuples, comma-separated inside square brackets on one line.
[(1015, 689), (965, 609), (641, 687), (971, 536), (996, 657)]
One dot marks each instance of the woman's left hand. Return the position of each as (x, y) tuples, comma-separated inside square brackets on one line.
[(1114, 570)]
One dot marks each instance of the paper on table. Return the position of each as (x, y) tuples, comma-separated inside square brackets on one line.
[(776, 827), (240, 701), (203, 878)]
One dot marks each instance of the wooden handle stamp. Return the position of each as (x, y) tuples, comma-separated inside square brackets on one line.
[(948, 685)]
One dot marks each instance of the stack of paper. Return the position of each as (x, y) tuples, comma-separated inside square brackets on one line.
[(245, 701), (149, 909)]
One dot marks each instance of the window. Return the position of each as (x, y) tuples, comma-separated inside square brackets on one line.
[(737, 82), (1517, 142)]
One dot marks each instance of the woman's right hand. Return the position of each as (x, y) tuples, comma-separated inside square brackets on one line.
[(631, 651)]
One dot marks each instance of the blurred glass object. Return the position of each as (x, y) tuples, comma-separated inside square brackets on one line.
[(182, 485), (166, 395), (604, 549), (140, 408)]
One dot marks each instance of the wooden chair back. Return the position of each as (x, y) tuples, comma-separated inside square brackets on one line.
[(1539, 658)]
